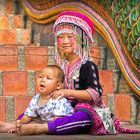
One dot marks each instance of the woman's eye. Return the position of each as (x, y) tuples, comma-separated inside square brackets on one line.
[(70, 36), (60, 37)]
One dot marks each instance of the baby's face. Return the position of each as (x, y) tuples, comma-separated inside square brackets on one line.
[(47, 81)]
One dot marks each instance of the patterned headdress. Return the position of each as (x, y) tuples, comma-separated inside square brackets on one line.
[(78, 24)]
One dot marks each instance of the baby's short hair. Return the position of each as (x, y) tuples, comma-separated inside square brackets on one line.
[(60, 74)]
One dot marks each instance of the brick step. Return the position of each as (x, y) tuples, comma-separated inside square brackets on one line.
[(12, 22), (102, 58), (120, 105), (12, 106), (15, 81), (15, 36), (10, 7), (17, 41), (29, 58)]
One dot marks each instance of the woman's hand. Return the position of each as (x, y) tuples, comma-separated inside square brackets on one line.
[(71, 94), (59, 94)]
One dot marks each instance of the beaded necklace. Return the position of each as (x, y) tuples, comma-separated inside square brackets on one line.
[(70, 73)]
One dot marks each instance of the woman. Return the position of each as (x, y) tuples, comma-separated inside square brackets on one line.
[(74, 35)]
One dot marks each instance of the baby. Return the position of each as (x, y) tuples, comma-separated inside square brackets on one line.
[(42, 107)]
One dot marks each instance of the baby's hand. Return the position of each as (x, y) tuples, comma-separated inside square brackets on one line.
[(17, 129), (13, 130)]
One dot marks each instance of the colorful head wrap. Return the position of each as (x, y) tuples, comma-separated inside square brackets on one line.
[(78, 24), (78, 19)]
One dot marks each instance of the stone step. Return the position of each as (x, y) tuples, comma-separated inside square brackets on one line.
[(13, 105)]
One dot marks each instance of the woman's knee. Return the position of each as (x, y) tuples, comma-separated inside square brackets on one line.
[(79, 122)]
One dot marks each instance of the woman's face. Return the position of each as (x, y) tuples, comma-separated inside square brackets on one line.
[(66, 42)]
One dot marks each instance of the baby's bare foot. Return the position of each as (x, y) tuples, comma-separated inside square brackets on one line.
[(32, 129), (5, 127)]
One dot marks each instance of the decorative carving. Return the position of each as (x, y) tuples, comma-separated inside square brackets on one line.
[(123, 27)]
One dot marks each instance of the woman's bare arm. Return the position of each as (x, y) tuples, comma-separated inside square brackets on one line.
[(69, 93)]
